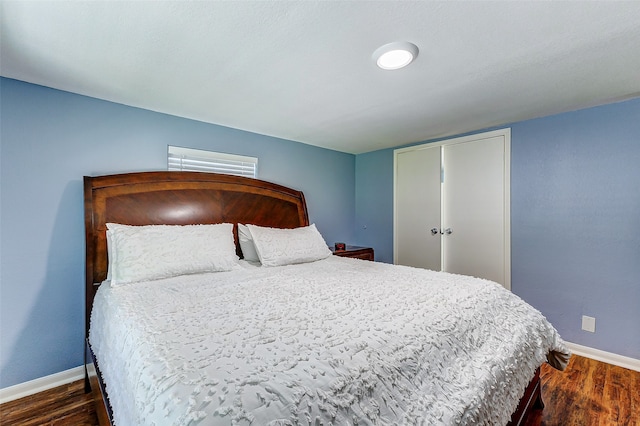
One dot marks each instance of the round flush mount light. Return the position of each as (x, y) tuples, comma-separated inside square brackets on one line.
[(395, 55)]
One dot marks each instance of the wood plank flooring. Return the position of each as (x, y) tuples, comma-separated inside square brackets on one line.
[(64, 405), (588, 393)]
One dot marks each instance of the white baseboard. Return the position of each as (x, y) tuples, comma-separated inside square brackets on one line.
[(38, 385), (608, 357)]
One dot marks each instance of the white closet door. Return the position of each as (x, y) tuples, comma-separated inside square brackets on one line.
[(474, 209), (417, 208)]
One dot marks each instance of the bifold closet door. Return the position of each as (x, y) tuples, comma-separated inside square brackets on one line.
[(473, 197), (451, 206), (417, 208)]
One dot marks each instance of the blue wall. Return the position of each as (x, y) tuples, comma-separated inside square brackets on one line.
[(374, 208), (575, 220), (575, 211), (49, 140)]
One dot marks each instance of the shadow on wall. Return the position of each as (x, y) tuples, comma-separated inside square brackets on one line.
[(52, 338)]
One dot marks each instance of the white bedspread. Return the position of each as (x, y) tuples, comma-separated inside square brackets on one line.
[(334, 342)]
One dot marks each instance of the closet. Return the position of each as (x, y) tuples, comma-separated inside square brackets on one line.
[(452, 206)]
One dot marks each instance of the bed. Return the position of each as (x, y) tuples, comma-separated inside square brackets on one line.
[(294, 335)]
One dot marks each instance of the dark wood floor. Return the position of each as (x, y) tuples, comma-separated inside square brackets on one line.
[(64, 405), (588, 393)]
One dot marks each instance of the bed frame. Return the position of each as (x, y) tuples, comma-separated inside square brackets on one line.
[(182, 198)]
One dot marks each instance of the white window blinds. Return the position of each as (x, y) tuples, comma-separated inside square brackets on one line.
[(197, 160)]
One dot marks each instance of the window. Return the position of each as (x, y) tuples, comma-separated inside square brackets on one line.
[(197, 160)]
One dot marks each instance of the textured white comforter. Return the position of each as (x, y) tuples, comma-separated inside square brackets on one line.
[(338, 341)]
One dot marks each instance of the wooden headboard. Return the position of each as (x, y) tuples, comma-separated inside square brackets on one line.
[(179, 198)]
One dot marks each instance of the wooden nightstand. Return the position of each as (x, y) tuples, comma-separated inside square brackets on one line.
[(356, 252)]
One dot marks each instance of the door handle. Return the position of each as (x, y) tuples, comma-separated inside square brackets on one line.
[(436, 231)]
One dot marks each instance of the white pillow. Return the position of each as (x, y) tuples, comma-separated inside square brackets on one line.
[(151, 252), (277, 247), (246, 244), (109, 255)]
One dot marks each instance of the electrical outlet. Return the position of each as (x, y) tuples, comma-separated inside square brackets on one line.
[(589, 324)]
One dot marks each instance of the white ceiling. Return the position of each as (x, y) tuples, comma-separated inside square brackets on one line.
[(303, 70)]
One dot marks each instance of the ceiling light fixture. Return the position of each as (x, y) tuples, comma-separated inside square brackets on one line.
[(395, 55)]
